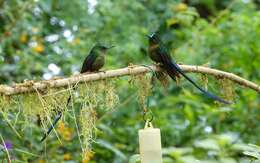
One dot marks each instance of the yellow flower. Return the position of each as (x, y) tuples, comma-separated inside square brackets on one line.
[(88, 155), (39, 48), (65, 132), (67, 156), (67, 135), (61, 127), (23, 38), (76, 41), (181, 7), (41, 161)]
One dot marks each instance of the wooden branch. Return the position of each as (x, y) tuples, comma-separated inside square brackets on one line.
[(131, 70)]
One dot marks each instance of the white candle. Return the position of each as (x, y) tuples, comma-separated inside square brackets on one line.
[(150, 145)]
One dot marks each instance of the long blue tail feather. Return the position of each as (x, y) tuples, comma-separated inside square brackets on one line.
[(172, 68)]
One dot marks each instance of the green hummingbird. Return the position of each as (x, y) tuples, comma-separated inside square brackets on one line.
[(96, 59), (159, 54), (92, 63)]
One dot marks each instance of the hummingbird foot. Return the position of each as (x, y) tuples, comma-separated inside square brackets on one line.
[(131, 65), (100, 71)]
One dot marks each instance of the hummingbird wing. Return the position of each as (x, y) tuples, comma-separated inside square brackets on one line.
[(88, 62), (166, 59), (174, 70)]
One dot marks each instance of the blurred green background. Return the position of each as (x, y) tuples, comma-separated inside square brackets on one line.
[(43, 39)]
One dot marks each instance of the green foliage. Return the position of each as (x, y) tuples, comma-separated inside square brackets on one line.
[(43, 39)]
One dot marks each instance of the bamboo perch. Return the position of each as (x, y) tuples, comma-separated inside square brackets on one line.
[(130, 70)]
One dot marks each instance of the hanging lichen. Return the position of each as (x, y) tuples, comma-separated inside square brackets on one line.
[(88, 118), (101, 93), (55, 101), (111, 97), (8, 105), (32, 106), (44, 105), (143, 85), (96, 98), (5, 102), (204, 80), (227, 90)]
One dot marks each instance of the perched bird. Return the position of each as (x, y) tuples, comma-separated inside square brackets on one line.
[(159, 54), (96, 59), (92, 63)]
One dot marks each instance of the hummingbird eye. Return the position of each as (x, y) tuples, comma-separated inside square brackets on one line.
[(153, 34)]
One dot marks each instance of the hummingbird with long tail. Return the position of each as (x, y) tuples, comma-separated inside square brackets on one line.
[(94, 61), (159, 54)]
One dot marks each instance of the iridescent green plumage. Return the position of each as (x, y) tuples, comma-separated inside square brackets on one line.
[(95, 60), (158, 53)]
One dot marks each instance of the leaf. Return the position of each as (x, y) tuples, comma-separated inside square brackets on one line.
[(109, 146), (253, 154), (135, 159), (207, 144), (176, 152), (227, 160), (171, 21), (256, 147)]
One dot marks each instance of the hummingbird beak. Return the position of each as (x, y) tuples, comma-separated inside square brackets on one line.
[(111, 47), (107, 48), (148, 36)]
